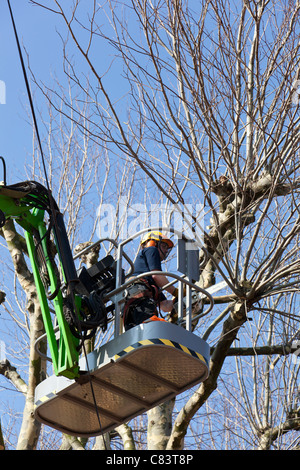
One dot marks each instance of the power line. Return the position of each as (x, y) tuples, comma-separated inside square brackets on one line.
[(53, 211)]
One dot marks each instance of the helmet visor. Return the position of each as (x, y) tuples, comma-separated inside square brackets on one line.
[(164, 248)]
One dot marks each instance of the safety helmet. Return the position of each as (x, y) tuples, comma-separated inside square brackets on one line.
[(158, 237)]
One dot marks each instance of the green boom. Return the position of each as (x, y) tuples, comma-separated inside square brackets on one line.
[(20, 205)]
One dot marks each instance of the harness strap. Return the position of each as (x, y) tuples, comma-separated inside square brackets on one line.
[(152, 287)]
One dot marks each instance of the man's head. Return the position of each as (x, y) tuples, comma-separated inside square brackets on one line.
[(160, 241)]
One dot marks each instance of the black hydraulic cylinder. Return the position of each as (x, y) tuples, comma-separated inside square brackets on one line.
[(64, 249)]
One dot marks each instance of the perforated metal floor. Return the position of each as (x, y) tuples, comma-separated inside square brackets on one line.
[(129, 375)]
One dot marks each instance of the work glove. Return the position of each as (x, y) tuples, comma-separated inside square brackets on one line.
[(172, 317)]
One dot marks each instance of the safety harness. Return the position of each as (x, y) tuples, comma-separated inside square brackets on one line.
[(140, 290)]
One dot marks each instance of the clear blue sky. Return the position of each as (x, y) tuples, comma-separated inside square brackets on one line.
[(38, 35)]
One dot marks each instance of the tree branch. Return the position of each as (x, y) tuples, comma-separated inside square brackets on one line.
[(280, 349), (10, 372)]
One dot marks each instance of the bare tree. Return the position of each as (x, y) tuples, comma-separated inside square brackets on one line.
[(79, 177)]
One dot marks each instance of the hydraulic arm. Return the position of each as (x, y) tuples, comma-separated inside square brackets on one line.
[(71, 301), (77, 298)]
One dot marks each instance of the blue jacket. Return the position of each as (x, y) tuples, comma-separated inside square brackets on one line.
[(148, 259)]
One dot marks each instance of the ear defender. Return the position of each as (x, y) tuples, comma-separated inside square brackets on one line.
[(151, 243)]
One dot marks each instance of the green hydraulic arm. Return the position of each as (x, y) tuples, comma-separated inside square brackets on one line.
[(78, 309)]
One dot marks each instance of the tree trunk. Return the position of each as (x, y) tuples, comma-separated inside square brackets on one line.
[(160, 425), (2, 446), (30, 428)]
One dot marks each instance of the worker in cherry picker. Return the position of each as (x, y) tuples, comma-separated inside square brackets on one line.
[(144, 299)]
